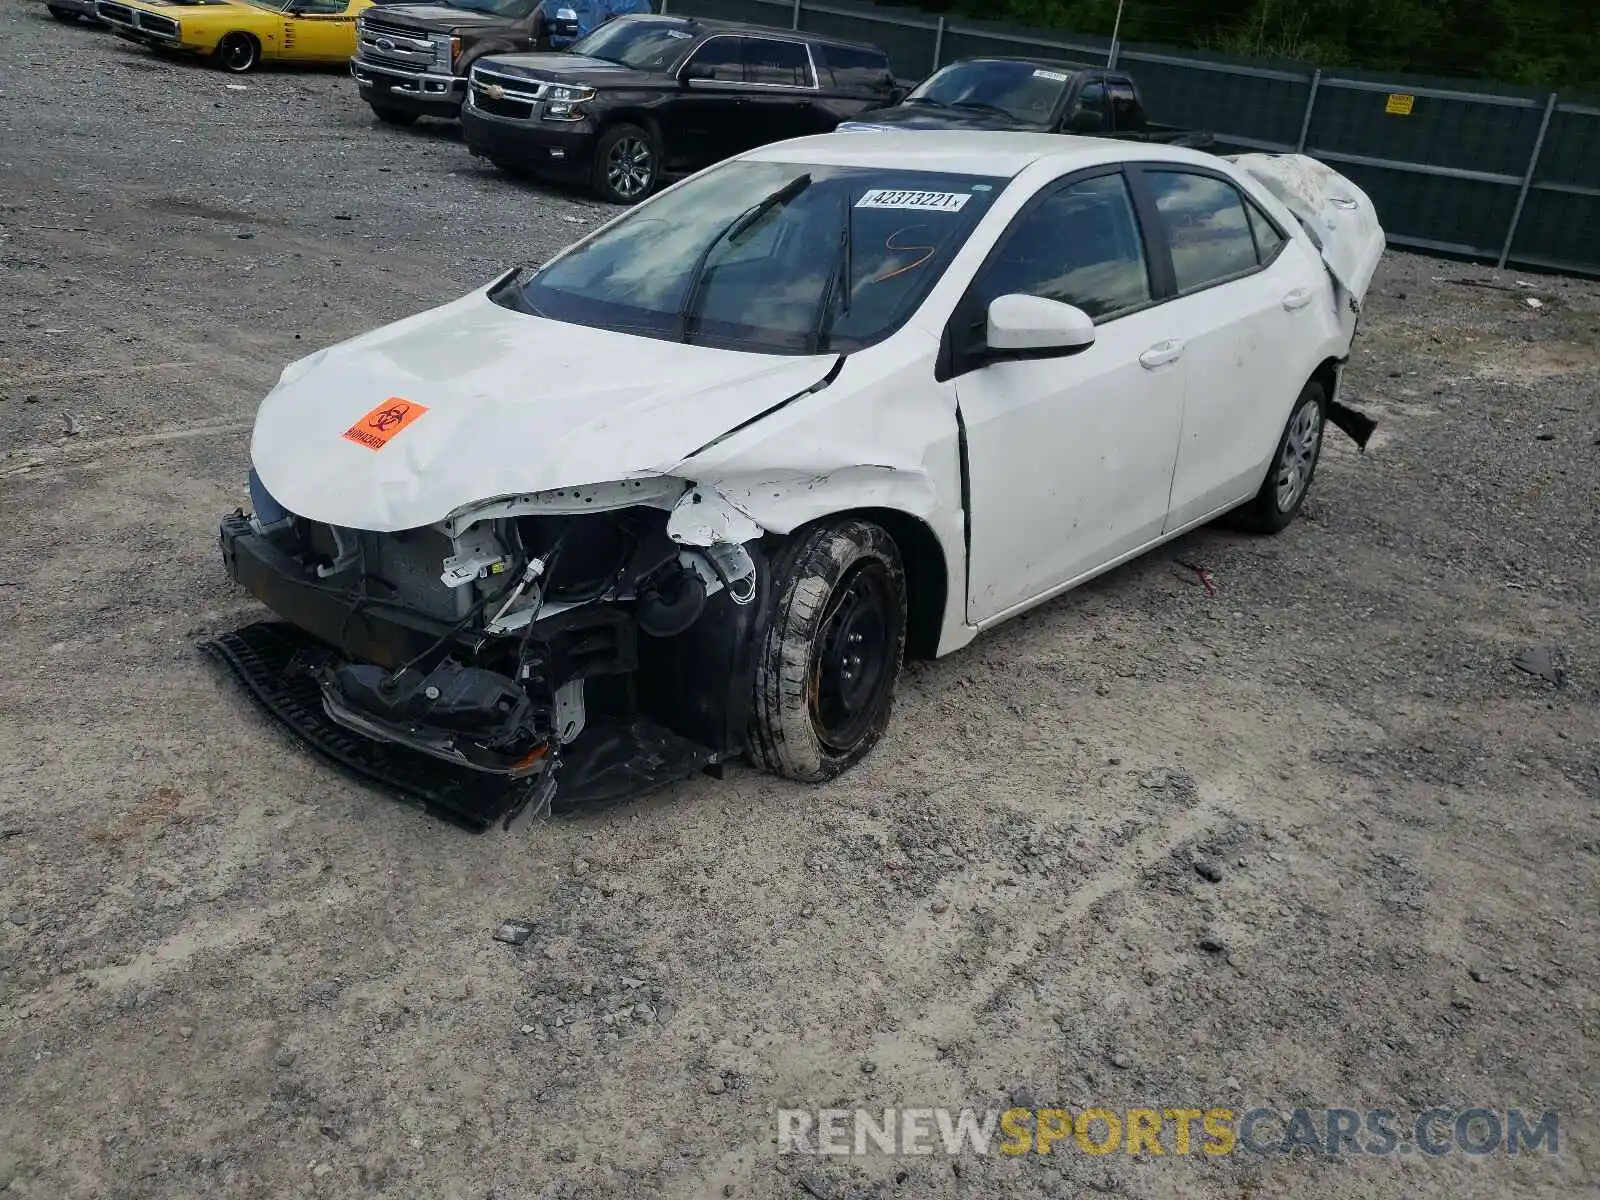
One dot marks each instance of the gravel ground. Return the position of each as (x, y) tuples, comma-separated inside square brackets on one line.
[(227, 971)]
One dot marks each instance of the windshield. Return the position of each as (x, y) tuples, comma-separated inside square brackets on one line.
[(826, 258), (1022, 90), (510, 9), (643, 44)]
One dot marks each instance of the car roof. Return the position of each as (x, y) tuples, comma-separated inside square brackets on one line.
[(967, 152), (711, 25)]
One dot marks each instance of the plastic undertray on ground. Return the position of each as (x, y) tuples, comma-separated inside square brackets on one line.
[(611, 761)]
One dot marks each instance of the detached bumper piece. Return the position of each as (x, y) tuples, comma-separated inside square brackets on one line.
[(615, 759), (274, 661)]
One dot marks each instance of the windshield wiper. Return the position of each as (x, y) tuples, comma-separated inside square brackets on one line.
[(732, 230), (821, 324), (979, 106)]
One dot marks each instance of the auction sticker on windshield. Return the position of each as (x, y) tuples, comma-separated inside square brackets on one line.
[(375, 430), (917, 201), (1055, 75)]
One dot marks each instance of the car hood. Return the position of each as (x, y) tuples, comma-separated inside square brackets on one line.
[(568, 67), (478, 401), (188, 10), (433, 18), (928, 116)]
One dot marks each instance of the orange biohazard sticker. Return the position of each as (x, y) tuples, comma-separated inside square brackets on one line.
[(376, 428)]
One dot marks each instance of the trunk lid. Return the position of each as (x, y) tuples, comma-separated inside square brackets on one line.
[(1338, 215)]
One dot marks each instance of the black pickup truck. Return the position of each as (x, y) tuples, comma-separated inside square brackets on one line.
[(412, 58), (1029, 95), (648, 97)]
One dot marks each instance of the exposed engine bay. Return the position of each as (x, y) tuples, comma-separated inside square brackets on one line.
[(521, 637)]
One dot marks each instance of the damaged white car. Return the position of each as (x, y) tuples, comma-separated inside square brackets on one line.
[(692, 489)]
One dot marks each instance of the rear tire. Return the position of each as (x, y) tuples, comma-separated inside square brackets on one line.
[(1294, 463), (627, 165), (238, 53), (827, 663), (393, 116)]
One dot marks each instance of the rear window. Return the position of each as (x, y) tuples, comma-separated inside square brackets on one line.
[(851, 68)]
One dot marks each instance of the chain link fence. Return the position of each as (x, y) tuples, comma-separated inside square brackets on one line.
[(1507, 174)]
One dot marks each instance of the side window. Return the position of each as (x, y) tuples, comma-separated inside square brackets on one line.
[(1206, 226), (319, 8), (851, 69), (1268, 240), (1092, 99), (767, 60), (1125, 110), (1080, 245), (719, 58)]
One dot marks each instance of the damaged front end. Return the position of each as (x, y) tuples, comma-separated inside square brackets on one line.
[(592, 639)]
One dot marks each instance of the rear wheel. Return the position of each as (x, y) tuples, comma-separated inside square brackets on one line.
[(238, 53), (393, 116), (627, 164), (828, 661), (1288, 479)]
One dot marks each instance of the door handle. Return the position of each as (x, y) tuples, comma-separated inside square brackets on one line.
[(1298, 298), (1161, 354)]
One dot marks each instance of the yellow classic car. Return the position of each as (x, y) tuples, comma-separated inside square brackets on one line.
[(240, 34)]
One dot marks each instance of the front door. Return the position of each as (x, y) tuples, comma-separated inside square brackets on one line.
[(704, 120), (1069, 459), (320, 30), (781, 89)]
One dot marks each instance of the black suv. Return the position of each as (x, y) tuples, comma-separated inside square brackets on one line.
[(648, 97)]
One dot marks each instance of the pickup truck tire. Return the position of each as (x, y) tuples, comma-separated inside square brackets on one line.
[(393, 116), (830, 653), (1294, 463), (627, 164), (238, 53), (65, 15)]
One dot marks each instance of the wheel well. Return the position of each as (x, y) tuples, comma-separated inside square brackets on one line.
[(633, 116), (927, 576), (1328, 376)]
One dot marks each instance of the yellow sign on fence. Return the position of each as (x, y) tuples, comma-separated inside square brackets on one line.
[(1399, 105)]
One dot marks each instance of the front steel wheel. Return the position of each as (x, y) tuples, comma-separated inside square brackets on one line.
[(830, 655)]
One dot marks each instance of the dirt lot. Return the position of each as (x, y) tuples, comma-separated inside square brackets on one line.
[(227, 971)]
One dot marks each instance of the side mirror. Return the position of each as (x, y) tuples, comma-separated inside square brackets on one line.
[(1021, 327), (1086, 120)]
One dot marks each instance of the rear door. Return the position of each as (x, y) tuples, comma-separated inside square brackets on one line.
[(1245, 304)]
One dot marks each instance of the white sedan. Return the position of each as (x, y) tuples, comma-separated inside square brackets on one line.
[(712, 471)]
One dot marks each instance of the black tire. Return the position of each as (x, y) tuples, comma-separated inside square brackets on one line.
[(238, 53), (393, 116), (65, 15), (827, 662), (1294, 465), (627, 164)]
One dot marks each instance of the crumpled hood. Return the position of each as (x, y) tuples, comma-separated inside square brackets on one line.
[(510, 404), (435, 18)]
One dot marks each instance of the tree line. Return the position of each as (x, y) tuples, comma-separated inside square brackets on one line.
[(1550, 43)]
